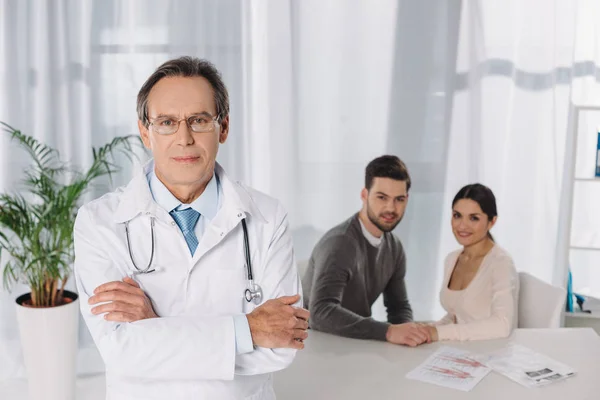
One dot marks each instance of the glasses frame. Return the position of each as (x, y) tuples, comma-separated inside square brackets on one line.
[(215, 119)]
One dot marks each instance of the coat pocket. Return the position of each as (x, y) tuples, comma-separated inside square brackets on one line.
[(226, 291)]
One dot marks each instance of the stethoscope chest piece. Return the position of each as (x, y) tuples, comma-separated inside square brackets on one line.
[(253, 293)]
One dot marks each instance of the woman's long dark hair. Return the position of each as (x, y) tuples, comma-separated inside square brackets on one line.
[(483, 196)]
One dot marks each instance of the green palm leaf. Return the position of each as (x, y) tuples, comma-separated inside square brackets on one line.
[(36, 228), (42, 155)]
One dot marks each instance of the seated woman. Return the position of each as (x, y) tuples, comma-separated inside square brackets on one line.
[(481, 285)]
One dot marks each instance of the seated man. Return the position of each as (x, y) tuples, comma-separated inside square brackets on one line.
[(361, 258)]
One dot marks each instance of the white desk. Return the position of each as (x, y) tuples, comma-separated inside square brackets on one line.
[(337, 368), (331, 367)]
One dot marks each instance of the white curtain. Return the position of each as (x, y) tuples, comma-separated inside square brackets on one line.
[(520, 66), (462, 91)]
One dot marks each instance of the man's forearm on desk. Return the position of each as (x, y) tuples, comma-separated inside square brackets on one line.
[(339, 321)]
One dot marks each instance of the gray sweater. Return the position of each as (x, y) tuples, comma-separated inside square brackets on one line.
[(345, 276)]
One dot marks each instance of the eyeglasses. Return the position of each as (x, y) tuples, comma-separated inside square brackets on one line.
[(196, 123)]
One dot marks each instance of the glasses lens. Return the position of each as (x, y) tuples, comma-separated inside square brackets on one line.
[(165, 126), (201, 124)]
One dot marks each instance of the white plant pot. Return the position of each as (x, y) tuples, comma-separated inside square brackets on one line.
[(49, 339)]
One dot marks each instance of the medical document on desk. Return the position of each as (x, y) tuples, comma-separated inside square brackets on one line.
[(451, 368), (527, 367)]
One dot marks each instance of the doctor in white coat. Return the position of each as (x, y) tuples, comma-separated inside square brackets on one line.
[(160, 264)]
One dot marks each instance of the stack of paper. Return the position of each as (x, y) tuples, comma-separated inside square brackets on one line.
[(526, 367), (452, 368)]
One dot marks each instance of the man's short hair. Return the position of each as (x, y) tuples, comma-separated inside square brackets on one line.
[(185, 67), (386, 167)]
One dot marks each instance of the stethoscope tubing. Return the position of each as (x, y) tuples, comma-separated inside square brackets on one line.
[(252, 293)]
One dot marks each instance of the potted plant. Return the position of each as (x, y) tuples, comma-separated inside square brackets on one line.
[(36, 233)]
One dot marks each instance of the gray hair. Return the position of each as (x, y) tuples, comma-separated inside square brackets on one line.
[(185, 67)]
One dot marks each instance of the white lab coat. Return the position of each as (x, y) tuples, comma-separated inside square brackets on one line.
[(189, 352)]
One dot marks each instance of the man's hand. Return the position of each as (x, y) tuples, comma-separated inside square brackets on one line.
[(433, 333), (408, 334), (276, 324), (128, 303)]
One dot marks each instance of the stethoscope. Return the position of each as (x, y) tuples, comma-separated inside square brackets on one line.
[(253, 292)]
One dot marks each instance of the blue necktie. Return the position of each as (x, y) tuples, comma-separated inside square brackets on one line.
[(186, 220)]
